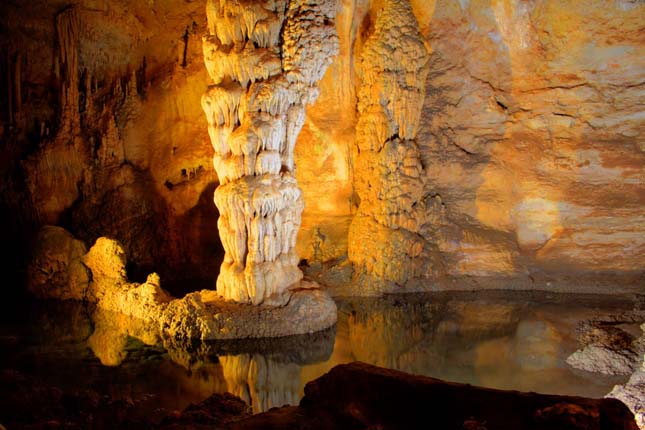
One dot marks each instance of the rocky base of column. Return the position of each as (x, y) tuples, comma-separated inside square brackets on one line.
[(204, 315), (63, 268)]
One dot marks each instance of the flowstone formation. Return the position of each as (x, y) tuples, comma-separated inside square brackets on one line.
[(62, 270), (265, 60), (386, 238)]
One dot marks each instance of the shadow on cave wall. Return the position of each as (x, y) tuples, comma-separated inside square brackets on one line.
[(184, 250), (201, 244)]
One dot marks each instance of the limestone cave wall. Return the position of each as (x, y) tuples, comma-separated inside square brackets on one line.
[(530, 148), (109, 137), (530, 137)]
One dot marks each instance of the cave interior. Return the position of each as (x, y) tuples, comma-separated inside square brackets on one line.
[(212, 210)]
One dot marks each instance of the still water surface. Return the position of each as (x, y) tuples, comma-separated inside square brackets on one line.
[(496, 339)]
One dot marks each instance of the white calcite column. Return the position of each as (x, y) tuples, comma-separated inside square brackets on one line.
[(265, 59)]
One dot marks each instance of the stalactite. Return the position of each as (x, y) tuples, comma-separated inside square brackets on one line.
[(89, 99), (9, 88), (17, 79), (67, 30), (255, 110)]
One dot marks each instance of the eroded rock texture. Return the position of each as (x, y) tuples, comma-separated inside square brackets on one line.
[(264, 60), (633, 395), (57, 268), (534, 108), (529, 135), (59, 271), (529, 139), (386, 238)]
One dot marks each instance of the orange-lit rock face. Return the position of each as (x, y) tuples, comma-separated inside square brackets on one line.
[(529, 135), (536, 112), (264, 61), (111, 127), (386, 240)]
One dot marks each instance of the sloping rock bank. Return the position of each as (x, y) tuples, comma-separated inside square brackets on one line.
[(633, 394), (607, 348)]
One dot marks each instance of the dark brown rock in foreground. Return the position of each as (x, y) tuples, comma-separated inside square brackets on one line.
[(361, 396), (350, 396)]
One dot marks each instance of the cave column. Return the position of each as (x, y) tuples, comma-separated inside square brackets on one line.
[(265, 60), (386, 244)]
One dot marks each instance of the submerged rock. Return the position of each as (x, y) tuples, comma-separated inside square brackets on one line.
[(600, 359)]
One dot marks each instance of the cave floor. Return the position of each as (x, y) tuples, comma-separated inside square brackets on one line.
[(506, 340)]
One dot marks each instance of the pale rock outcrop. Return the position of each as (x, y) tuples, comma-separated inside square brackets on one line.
[(264, 60), (633, 395), (633, 392), (609, 350), (110, 287), (386, 241), (204, 315), (612, 351), (57, 269), (605, 360)]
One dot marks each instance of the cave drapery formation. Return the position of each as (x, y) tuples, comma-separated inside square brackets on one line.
[(386, 238), (265, 60)]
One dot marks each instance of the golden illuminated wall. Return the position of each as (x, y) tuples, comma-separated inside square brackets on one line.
[(532, 137), (529, 134), (385, 238)]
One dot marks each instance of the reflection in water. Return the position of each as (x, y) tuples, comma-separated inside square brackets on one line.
[(113, 332), (260, 381), (500, 340)]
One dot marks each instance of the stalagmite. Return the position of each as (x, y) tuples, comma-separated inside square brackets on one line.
[(255, 110), (386, 242)]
